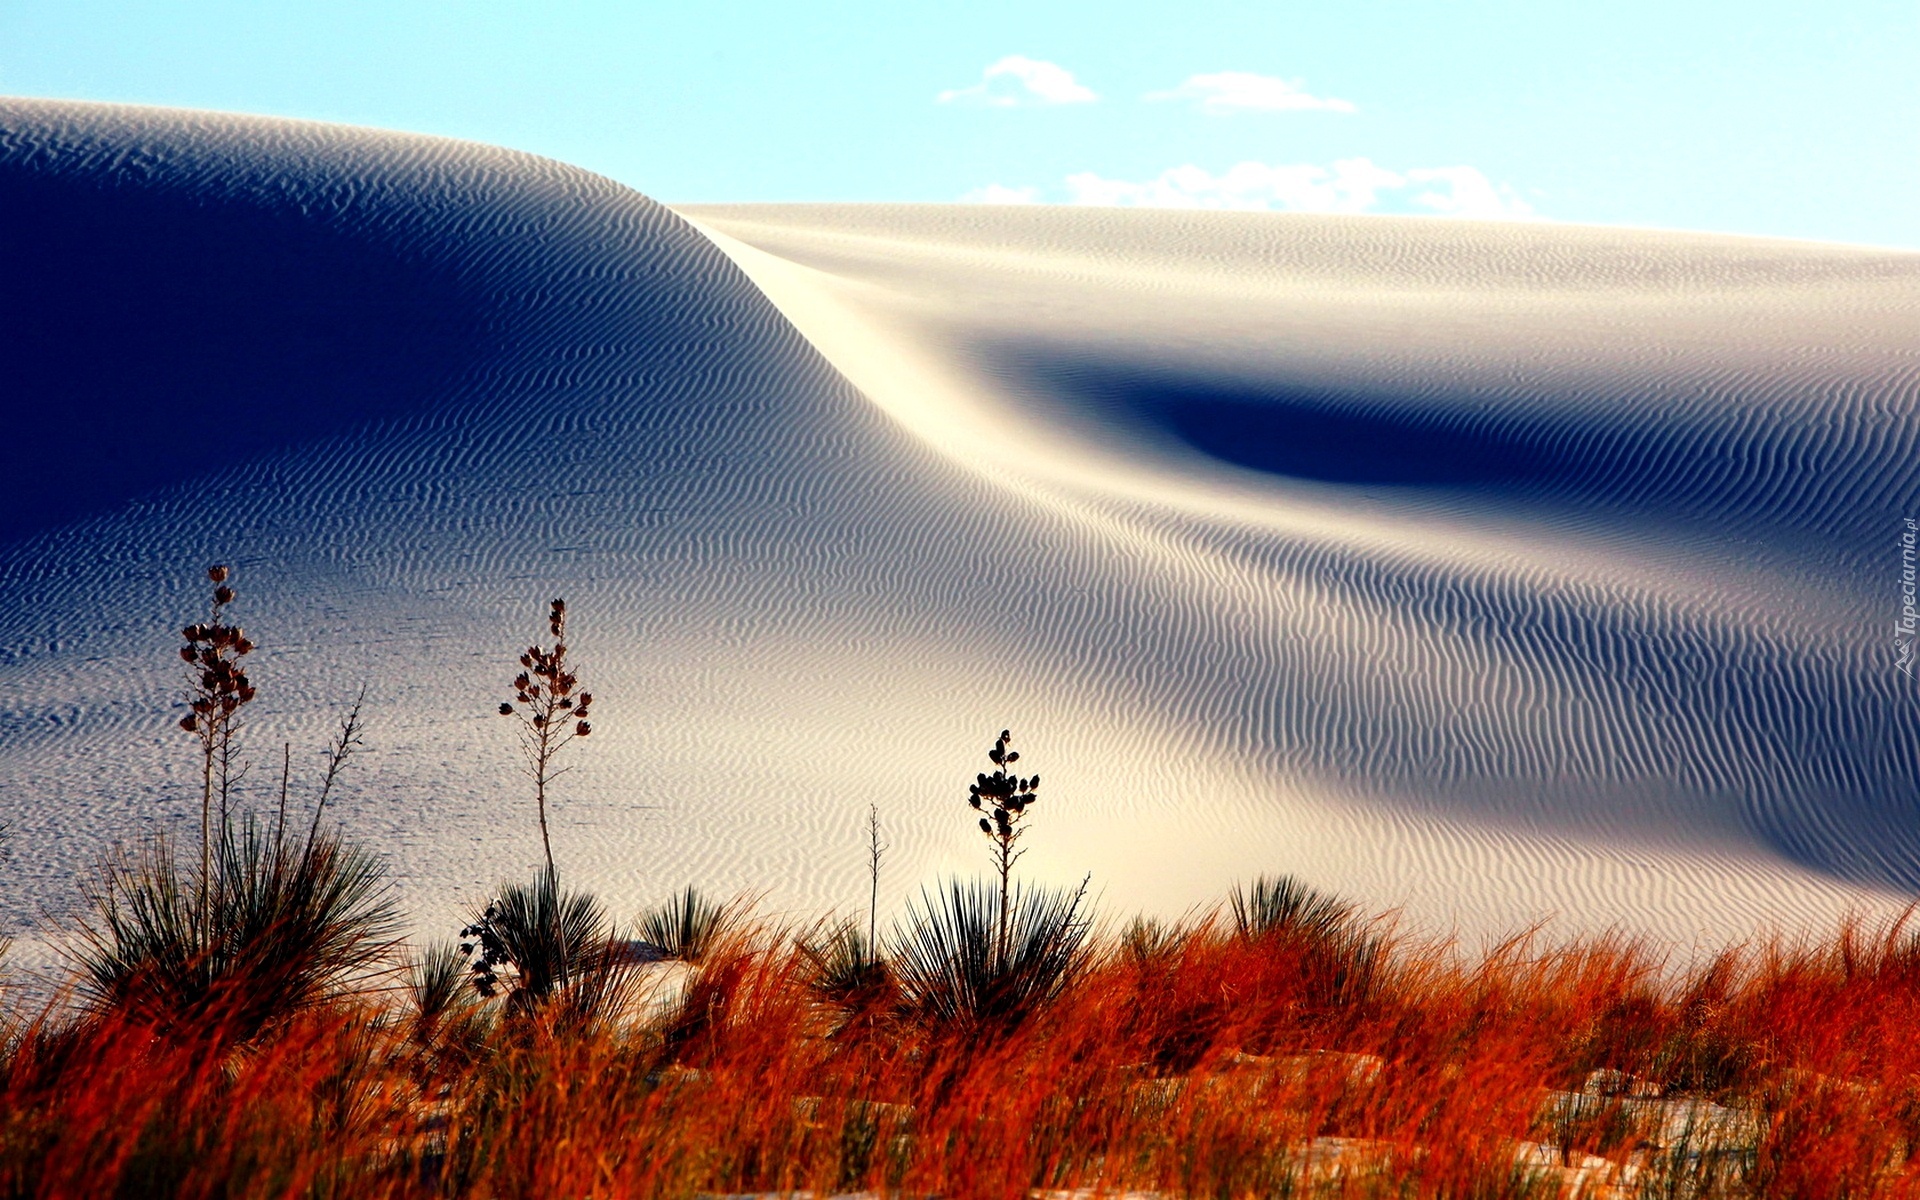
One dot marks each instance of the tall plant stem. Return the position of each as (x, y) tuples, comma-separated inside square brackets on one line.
[(540, 796), (206, 836), (1006, 869), (875, 848), (286, 770), (553, 715), (345, 741)]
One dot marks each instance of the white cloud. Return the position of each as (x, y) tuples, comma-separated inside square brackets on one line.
[(1016, 80), (1243, 91), (995, 193), (1465, 192), (1349, 185)]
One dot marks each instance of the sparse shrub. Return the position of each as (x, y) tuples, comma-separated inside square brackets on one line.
[(346, 740), (551, 712), (957, 972), (685, 927), (876, 849)]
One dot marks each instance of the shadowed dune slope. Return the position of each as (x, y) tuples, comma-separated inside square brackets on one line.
[(1495, 571)]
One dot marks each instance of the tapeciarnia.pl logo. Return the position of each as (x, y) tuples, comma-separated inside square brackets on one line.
[(1904, 628)]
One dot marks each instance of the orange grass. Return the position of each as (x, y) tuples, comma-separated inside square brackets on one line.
[(1210, 1065)]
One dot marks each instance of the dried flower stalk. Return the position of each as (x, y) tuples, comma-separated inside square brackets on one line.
[(551, 713)]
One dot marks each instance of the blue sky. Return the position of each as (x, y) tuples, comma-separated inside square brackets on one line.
[(1793, 119)]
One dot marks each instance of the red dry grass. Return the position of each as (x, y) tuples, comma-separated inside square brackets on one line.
[(1210, 1065)]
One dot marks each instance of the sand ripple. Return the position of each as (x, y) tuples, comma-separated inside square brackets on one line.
[(1489, 570)]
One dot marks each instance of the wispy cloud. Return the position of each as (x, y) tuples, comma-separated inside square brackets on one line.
[(1016, 80), (1349, 185), (1243, 91)]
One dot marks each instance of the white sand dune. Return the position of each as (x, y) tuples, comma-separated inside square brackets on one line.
[(1490, 571)]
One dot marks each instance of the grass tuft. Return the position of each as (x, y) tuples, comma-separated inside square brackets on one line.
[(536, 940), (685, 927), (282, 929), (953, 972)]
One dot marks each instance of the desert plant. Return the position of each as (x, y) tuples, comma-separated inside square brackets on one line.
[(846, 969), (1283, 904), (346, 740), (1340, 957), (1147, 940), (685, 927), (875, 850), (956, 971), (1004, 799), (551, 714), (217, 690), (273, 931), (533, 942), (436, 982)]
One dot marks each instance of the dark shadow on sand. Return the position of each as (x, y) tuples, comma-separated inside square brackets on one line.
[(149, 335)]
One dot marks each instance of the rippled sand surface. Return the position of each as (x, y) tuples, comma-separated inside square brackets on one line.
[(1492, 572)]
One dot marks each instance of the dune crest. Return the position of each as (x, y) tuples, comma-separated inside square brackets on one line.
[(1491, 571)]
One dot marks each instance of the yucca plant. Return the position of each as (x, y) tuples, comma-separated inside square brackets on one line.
[(217, 690), (260, 929), (1341, 957), (957, 972), (1283, 904), (1147, 940), (436, 983), (535, 941), (274, 930), (685, 927), (846, 970)]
